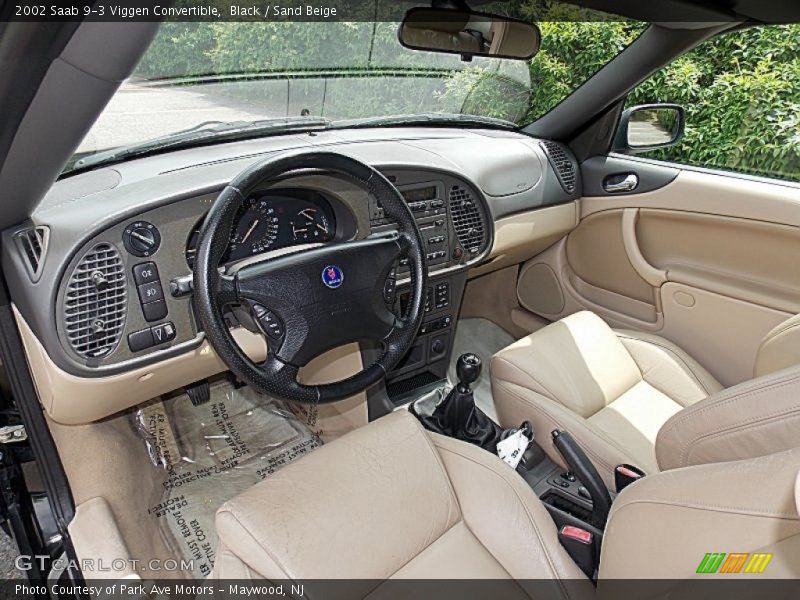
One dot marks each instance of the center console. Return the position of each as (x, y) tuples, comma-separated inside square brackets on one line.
[(454, 223)]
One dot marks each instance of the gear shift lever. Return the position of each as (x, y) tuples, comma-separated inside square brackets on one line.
[(457, 416), (468, 369)]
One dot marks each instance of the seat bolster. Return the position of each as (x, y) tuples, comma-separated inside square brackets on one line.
[(754, 418), (780, 348), (742, 506), (668, 368), (516, 404), (229, 566), (505, 515)]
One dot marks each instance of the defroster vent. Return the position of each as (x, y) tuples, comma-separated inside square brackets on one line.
[(562, 163), (32, 245), (95, 302), (467, 220)]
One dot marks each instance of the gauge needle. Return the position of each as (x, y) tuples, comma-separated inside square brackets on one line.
[(324, 229), (306, 211), (249, 231)]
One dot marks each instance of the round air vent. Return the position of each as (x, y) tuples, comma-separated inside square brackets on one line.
[(95, 302), (467, 220)]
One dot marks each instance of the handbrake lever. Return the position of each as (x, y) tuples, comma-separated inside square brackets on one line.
[(584, 470)]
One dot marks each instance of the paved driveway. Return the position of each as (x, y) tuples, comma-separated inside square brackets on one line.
[(137, 113)]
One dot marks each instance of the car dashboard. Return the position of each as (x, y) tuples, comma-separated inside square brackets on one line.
[(100, 276)]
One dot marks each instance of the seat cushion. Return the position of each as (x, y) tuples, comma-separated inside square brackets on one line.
[(612, 390), (390, 500)]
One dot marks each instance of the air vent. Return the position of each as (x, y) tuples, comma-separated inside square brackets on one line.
[(467, 220), (562, 163), (32, 246), (95, 302)]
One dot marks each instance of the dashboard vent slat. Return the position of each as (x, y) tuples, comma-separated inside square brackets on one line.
[(562, 163), (32, 245), (467, 220), (94, 316)]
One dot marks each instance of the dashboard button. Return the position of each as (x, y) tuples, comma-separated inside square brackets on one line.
[(145, 273), (153, 311), (269, 323), (139, 340), (150, 292), (163, 333)]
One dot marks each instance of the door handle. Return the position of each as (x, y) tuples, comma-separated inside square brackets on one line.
[(613, 184)]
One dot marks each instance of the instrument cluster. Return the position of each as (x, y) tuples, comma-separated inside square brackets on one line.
[(271, 220)]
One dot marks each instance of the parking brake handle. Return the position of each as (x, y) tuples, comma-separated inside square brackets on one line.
[(584, 470)]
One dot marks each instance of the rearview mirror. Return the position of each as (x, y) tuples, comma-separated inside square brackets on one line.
[(649, 127), (468, 33)]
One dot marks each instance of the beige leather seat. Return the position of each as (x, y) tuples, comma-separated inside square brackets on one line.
[(630, 397), (391, 501)]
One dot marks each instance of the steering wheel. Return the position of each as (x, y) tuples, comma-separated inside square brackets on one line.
[(312, 300)]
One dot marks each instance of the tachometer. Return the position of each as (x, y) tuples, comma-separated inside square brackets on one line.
[(256, 231), (311, 225)]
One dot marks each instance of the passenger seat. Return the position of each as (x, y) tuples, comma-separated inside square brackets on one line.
[(636, 398)]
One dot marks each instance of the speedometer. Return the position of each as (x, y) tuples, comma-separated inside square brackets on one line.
[(256, 231)]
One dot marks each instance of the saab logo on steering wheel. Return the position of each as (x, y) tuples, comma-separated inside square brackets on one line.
[(332, 276)]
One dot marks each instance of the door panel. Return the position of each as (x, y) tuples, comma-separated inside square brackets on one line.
[(596, 252), (722, 332), (742, 258), (709, 261)]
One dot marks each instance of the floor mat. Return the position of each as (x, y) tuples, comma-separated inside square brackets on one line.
[(484, 338), (212, 452)]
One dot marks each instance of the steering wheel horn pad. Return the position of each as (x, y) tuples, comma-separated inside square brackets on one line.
[(323, 297)]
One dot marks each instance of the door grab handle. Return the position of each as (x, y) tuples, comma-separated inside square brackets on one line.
[(627, 184)]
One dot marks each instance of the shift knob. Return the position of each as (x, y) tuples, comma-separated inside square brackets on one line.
[(468, 369)]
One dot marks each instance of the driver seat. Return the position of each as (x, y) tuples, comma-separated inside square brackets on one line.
[(392, 501)]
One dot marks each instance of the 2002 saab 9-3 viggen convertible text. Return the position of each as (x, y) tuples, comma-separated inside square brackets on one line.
[(502, 292)]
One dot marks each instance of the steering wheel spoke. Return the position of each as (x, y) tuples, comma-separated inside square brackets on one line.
[(314, 300), (225, 290)]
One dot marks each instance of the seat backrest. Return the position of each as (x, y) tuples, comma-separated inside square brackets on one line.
[(755, 418), (663, 526), (780, 348)]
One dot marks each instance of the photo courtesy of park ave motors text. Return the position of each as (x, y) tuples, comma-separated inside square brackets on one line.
[(400, 299)]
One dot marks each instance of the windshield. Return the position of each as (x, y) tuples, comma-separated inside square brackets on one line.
[(194, 73)]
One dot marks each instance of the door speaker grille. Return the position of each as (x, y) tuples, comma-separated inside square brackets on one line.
[(96, 302), (467, 220)]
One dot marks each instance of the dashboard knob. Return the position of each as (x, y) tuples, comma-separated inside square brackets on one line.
[(141, 238)]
